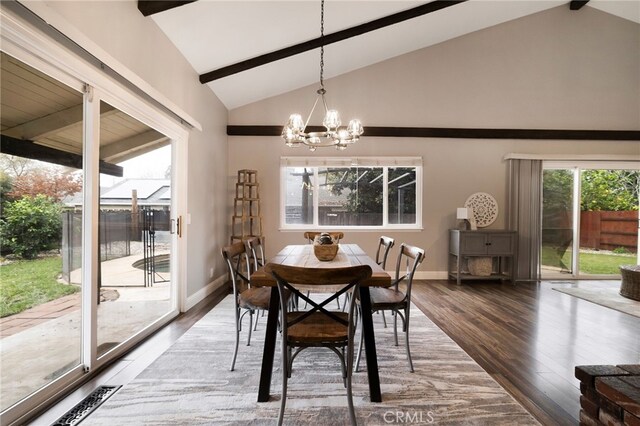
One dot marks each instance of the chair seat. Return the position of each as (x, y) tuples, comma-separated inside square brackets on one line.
[(317, 328), (386, 298), (255, 298)]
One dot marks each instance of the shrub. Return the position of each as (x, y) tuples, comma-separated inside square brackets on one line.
[(31, 225), (621, 250)]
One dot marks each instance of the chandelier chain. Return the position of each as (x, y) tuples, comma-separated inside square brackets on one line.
[(322, 45)]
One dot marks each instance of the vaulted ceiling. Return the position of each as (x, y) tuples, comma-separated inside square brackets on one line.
[(225, 37)]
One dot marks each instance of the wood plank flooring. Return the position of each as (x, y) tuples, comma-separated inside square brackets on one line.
[(529, 338)]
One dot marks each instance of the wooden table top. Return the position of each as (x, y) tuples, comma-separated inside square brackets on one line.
[(302, 255)]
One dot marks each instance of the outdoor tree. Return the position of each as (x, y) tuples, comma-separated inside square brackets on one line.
[(52, 183), (606, 190), (15, 166), (364, 196), (363, 189), (31, 225), (610, 190), (5, 189)]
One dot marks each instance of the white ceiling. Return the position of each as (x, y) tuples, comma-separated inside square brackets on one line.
[(213, 33)]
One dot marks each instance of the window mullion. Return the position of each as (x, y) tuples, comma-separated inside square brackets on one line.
[(385, 196), (316, 197)]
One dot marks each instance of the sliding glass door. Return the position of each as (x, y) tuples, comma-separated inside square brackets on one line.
[(89, 228), (589, 218), (40, 171), (135, 232)]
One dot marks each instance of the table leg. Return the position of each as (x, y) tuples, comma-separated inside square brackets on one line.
[(370, 345), (269, 346)]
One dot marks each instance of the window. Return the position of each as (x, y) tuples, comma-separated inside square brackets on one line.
[(351, 193)]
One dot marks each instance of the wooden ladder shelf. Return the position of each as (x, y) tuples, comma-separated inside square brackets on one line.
[(246, 221)]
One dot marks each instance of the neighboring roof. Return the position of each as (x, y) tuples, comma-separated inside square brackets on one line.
[(150, 192), (145, 188)]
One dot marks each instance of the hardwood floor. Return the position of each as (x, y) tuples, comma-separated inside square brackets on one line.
[(529, 338)]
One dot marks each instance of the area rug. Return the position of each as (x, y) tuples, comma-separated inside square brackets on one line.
[(604, 295), (190, 384)]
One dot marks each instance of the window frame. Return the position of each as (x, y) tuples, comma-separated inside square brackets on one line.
[(385, 163)]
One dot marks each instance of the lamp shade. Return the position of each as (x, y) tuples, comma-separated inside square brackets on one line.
[(462, 213)]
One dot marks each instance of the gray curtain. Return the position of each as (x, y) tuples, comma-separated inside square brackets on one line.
[(523, 214)]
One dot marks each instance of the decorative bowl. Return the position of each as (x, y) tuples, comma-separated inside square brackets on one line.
[(325, 252)]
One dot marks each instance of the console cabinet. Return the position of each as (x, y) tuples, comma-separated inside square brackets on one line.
[(498, 245)]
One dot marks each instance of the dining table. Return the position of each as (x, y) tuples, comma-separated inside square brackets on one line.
[(303, 255)]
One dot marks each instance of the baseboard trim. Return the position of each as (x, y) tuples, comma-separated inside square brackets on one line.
[(201, 294)]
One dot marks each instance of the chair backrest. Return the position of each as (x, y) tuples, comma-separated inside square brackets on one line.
[(311, 235), (412, 257), (350, 277), (237, 261), (255, 250), (384, 245)]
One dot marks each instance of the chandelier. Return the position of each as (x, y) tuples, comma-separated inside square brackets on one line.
[(294, 131)]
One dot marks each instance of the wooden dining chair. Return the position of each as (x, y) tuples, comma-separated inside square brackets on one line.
[(394, 300), (317, 327), (384, 246), (311, 235), (255, 250), (257, 259), (247, 300), (336, 236)]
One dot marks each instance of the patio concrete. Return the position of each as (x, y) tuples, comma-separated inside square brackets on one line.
[(42, 343)]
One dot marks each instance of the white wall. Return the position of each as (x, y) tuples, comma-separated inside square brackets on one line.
[(135, 41), (557, 69)]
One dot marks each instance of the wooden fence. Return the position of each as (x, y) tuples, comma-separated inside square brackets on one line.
[(602, 230)]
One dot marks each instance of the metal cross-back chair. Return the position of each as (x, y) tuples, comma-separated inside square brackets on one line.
[(257, 259), (318, 327), (394, 300), (249, 300), (256, 252), (336, 236), (384, 246)]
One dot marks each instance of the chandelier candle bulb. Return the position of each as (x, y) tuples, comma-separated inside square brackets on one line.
[(332, 120)]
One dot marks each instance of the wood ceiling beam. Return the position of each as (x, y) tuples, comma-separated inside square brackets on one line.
[(127, 148), (29, 149), (150, 7), (327, 39), (577, 4), (56, 122), (457, 133)]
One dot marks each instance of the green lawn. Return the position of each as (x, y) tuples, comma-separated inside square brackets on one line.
[(27, 283), (590, 263)]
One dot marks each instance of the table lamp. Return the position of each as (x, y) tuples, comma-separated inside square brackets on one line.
[(463, 218)]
